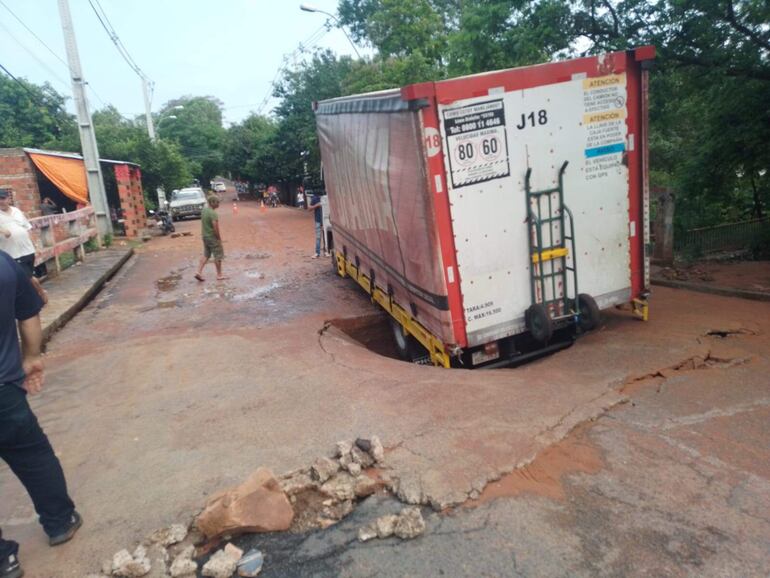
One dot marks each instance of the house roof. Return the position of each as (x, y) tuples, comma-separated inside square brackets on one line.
[(68, 155)]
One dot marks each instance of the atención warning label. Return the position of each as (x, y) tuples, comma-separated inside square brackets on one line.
[(477, 149)]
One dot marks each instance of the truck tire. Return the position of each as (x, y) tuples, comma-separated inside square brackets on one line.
[(539, 323), (407, 346), (588, 310)]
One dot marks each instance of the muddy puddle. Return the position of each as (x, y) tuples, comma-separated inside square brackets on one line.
[(169, 282)]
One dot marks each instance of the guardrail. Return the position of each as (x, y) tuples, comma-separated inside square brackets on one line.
[(727, 237), (56, 234)]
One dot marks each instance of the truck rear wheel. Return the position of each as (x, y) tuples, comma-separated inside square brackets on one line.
[(539, 323), (409, 349), (589, 312)]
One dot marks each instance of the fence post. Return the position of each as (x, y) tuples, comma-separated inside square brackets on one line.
[(664, 228)]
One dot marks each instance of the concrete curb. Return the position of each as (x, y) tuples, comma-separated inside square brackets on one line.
[(713, 289), (88, 294)]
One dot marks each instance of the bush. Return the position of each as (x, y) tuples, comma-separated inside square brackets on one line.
[(91, 245), (107, 240), (66, 260)]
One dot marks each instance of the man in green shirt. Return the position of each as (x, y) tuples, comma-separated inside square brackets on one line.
[(212, 239)]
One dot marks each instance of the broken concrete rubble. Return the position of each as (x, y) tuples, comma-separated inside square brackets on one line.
[(406, 525), (183, 565), (220, 565), (257, 505), (361, 457), (296, 482), (341, 486), (125, 565), (410, 523), (365, 486), (323, 469), (343, 449), (169, 536), (385, 525)]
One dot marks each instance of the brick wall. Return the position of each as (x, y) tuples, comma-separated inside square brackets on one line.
[(129, 180), (18, 173)]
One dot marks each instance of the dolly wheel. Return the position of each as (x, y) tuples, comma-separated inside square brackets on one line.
[(589, 312), (539, 323)]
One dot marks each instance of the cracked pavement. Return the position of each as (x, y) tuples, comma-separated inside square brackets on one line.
[(159, 395)]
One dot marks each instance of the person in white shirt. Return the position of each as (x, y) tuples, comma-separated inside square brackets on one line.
[(15, 239)]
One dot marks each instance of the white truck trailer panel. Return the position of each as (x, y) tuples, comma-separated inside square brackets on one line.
[(489, 143)]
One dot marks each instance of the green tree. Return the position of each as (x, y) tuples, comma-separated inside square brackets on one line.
[(249, 150), (295, 141), (34, 116), (197, 129)]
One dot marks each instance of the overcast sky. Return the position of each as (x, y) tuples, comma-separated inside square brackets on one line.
[(230, 49)]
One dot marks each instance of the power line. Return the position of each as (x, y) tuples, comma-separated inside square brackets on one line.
[(104, 20), (303, 47), (34, 96), (53, 52), (27, 28), (35, 56)]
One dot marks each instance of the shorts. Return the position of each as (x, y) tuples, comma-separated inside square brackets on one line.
[(27, 263), (213, 248)]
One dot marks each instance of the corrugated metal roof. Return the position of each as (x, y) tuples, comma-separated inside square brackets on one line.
[(68, 155)]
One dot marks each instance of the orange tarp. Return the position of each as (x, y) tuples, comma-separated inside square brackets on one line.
[(69, 175)]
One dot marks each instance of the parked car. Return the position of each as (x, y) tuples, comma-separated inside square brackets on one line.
[(188, 202), (219, 187)]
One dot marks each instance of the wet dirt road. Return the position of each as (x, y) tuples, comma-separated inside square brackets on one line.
[(164, 390)]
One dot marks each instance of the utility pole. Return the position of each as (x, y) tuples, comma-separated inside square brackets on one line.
[(96, 191), (147, 110)]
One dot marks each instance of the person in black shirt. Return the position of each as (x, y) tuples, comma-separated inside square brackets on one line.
[(23, 444)]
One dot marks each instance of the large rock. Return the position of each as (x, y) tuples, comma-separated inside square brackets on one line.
[(257, 505)]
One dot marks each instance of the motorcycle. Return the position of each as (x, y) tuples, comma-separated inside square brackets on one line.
[(164, 221)]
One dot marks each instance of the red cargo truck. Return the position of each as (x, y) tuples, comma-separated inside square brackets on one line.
[(494, 215)]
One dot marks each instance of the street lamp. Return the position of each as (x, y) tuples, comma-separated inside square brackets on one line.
[(309, 8)]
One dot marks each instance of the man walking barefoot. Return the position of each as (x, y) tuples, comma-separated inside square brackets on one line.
[(23, 444), (212, 239)]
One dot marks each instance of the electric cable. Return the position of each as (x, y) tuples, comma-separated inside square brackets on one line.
[(53, 52)]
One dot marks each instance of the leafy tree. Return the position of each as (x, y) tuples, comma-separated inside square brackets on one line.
[(295, 141), (34, 116), (249, 150), (197, 129)]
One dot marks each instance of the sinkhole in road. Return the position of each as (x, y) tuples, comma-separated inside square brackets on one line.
[(372, 331)]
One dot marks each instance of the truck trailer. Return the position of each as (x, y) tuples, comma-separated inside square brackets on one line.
[(493, 216)]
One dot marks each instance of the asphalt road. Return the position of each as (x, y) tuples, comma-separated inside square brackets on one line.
[(165, 390)]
